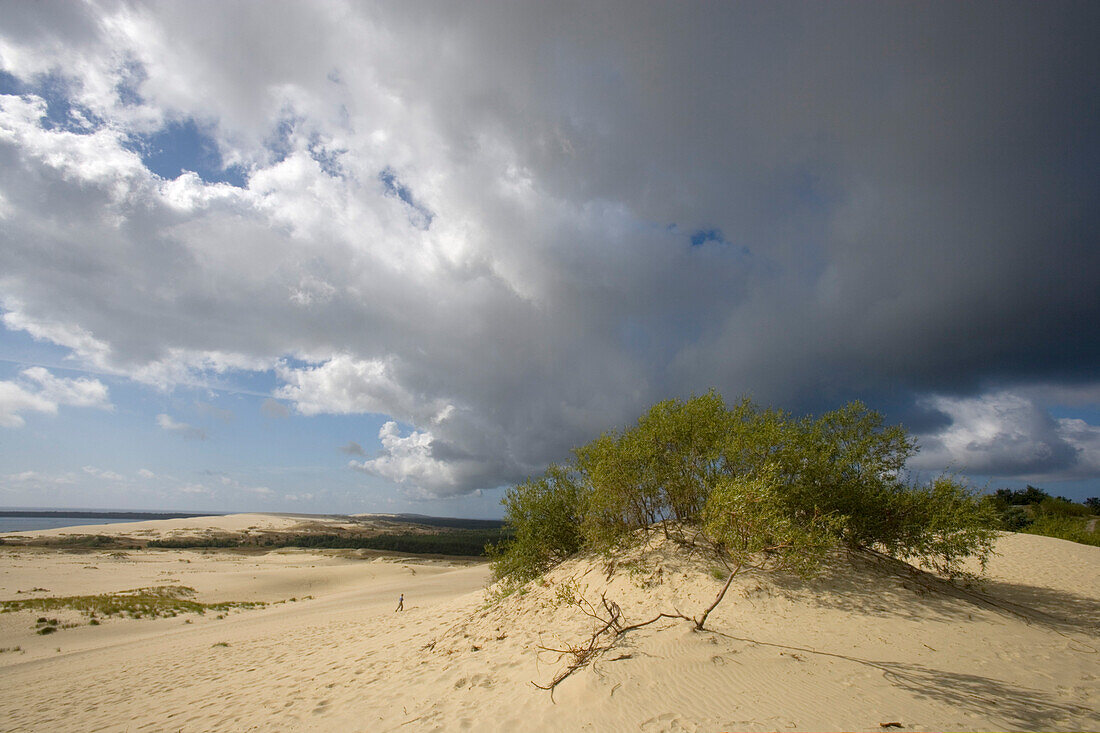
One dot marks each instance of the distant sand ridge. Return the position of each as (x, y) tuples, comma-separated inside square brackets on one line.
[(192, 527), (251, 530), (862, 647)]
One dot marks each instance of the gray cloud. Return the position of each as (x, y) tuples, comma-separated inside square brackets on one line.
[(274, 409), (214, 412), (603, 206), (352, 449), (1009, 435)]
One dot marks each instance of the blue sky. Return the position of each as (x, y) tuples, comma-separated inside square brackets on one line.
[(233, 455), (338, 258)]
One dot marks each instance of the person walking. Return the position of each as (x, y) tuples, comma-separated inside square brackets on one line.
[(400, 603)]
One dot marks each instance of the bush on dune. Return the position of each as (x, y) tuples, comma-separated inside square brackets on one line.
[(755, 487), (545, 514), (760, 486)]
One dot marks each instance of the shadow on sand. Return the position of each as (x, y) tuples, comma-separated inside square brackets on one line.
[(990, 699), (883, 586)]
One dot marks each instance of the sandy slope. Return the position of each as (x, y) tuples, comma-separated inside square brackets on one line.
[(851, 651)]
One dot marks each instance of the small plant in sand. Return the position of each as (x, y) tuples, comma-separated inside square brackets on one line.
[(568, 593), (754, 488)]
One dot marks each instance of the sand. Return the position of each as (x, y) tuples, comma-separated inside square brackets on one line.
[(851, 651)]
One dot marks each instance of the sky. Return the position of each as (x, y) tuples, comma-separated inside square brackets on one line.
[(341, 257)]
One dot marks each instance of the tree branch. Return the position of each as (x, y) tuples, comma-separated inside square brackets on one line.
[(699, 622)]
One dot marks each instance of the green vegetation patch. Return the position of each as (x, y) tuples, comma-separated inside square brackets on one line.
[(460, 542), (154, 602), (77, 543), (1074, 529), (1034, 511), (190, 543)]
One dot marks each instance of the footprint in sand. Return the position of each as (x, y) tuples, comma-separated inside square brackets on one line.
[(477, 680), (669, 722)]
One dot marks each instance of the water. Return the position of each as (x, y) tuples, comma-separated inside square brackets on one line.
[(13, 519), (26, 524)]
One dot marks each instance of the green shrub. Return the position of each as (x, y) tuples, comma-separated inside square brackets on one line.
[(756, 481), (661, 469), (845, 465), (1011, 518), (748, 520), (545, 516), (938, 525)]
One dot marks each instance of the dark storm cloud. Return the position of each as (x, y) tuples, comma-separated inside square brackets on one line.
[(582, 210)]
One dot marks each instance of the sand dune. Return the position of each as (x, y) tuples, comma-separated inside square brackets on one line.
[(862, 647)]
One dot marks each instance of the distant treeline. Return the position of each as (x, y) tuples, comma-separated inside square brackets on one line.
[(464, 542), (452, 522), (1034, 511)]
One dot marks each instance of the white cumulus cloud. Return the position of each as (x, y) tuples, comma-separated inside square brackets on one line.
[(345, 385), (109, 475), (39, 391), (169, 423), (408, 460), (42, 479), (1006, 433)]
